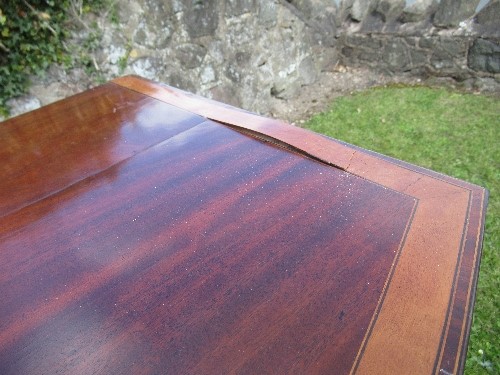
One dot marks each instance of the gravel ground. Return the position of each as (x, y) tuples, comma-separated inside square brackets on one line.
[(318, 97)]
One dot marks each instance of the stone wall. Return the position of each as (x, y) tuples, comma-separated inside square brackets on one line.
[(446, 39), (242, 52), (255, 53)]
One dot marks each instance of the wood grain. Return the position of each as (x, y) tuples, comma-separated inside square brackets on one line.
[(156, 239), (48, 149)]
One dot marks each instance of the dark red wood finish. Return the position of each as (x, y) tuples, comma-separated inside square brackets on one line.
[(144, 238), (46, 150)]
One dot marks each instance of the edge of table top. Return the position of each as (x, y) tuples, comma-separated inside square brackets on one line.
[(390, 172), (317, 146), (449, 220)]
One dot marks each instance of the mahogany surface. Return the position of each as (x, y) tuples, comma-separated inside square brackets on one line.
[(146, 230)]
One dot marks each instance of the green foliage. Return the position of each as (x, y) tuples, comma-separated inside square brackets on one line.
[(32, 34), (450, 132), (123, 60), (81, 53), (30, 40), (114, 18)]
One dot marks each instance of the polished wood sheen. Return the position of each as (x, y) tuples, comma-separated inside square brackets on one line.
[(147, 230)]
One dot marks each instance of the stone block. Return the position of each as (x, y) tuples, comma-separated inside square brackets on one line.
[(25, 103), (155, 25), (369, 58), (390, 10), (477, 62), (181, 81), (237, 66), (451, 12), (418, 11), (344, 9), (489, 15), (374, 22), (364, 41), (307, 71), (190, 55), (487, 20), (207, 75), (487, 84), (372, 42), (493, 64), (418, 58), (318, 15), (226, 94), (347, 51), (360, 8), (427, 42), (285, 90), (239, 7), (411, 41), (484, 56), (201, 17), (441, 60), (267, 13), (233, 73), (454, 46), (325, 58), (146, 67), (396, 55)]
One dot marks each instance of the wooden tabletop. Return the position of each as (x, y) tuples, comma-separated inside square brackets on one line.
[(145, 230)]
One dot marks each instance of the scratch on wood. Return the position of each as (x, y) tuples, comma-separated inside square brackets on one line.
[(350, 159), (412, 183)]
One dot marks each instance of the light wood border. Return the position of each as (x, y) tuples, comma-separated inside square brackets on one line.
[(423, 322)]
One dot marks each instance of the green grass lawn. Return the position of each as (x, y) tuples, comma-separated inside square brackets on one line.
[(450, 132)]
